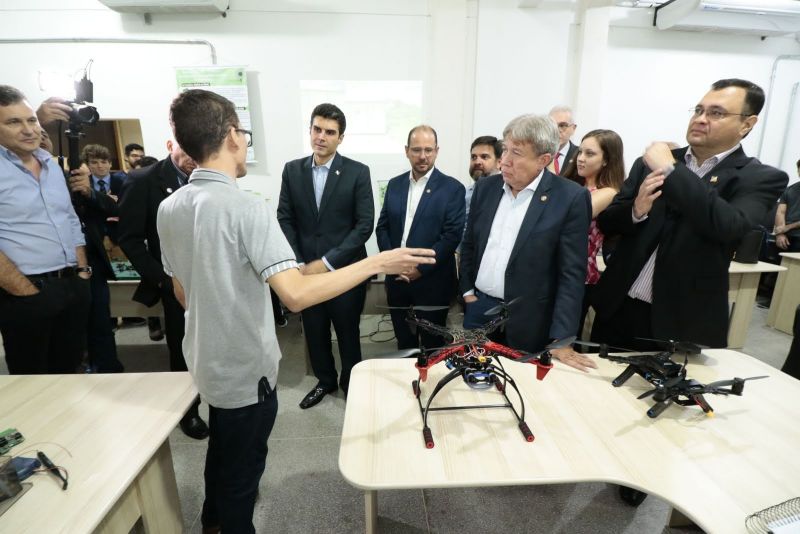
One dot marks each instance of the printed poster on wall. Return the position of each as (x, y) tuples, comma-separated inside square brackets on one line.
[(230, 82)]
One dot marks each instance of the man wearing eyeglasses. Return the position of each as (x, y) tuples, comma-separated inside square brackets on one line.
[(422, 208), (326, 212), (681, 214), (224, 249), (567, 150), (142, 193)]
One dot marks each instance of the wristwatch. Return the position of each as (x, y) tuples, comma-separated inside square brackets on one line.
[(86, 269)]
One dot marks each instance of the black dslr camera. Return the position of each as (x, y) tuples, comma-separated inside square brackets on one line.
[(81, 114)]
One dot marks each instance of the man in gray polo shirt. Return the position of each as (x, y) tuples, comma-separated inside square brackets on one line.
[(220, 245)]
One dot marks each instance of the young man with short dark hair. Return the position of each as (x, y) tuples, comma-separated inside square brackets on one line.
[(220, 245)]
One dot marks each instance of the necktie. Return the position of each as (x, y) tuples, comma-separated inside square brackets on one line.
[(101, 186), (556, 166)]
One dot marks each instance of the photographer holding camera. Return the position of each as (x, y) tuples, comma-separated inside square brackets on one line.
[(44, 272)]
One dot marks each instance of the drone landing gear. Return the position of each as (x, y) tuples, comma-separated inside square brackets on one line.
[(497, 374)]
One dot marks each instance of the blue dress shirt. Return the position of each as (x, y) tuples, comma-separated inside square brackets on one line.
[(39, 229)]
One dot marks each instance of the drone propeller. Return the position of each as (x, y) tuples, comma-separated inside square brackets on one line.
[(733, 382), (502, 306), (678, 346), (415, 308), (557, 344), (601, 345)]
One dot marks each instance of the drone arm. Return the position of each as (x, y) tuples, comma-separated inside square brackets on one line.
[(502, 350), (441, 355), (542, 361)]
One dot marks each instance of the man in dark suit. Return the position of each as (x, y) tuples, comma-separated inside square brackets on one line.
[(98, 203), (326, 212), (567, 150), (143, 192), (422, 208), (681, 214), (527, 238)]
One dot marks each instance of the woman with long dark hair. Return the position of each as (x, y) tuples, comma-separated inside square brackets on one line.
[(599, 167)]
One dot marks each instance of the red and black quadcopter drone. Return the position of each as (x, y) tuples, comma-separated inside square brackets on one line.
[(472, 356), (669, 377)]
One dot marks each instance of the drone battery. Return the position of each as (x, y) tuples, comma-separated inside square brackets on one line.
[(25, 466)]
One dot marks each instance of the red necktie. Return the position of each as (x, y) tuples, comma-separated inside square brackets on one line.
[(556, 166)]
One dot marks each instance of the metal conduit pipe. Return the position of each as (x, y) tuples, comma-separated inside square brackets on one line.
[(769, 98), (119, 41)]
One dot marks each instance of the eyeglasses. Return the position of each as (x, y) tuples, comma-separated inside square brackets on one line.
[(418, 150), (248, 135), (713, 114), (564, 125)]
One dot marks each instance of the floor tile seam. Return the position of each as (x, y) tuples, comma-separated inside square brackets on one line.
[(425, 511)]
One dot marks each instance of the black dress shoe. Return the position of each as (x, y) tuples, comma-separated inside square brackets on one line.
[(314, 396), (194, 427)]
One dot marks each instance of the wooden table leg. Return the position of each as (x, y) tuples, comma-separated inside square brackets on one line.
[(743, 288), (153, 496), (371, 508), (158, 494)]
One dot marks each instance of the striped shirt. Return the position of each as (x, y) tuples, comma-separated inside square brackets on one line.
[(642, 287)]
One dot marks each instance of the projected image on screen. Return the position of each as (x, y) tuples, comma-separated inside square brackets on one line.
[(379, 113)]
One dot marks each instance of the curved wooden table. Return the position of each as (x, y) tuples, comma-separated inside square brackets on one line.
[(742, 460)]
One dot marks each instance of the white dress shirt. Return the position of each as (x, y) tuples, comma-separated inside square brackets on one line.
[(491, 278), (416, 188)]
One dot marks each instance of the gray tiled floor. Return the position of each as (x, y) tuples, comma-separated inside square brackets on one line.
[(302, 490)]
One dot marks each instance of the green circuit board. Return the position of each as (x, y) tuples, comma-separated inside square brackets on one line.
[(9, 438)]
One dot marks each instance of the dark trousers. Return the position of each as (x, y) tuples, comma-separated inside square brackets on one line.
[(625, 328), (174, 330), (344, 312), (101, 343), (475, 315), (235, 461), (403, 294), (46, 333)]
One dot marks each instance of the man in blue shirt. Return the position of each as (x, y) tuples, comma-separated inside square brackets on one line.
[(44, 273)]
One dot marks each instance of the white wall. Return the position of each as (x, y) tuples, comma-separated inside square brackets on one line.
[(292, 41), (482, 62), (528, 60)]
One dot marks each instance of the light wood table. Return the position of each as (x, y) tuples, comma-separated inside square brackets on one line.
[(716, 471), (115, 427), (122, 304), (787, 294), (743, 281), (742, 290)]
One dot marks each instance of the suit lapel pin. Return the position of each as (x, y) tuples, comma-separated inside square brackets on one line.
[(427, 190), (169, 190), (337, 172), (544, 198), (714, 179)]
